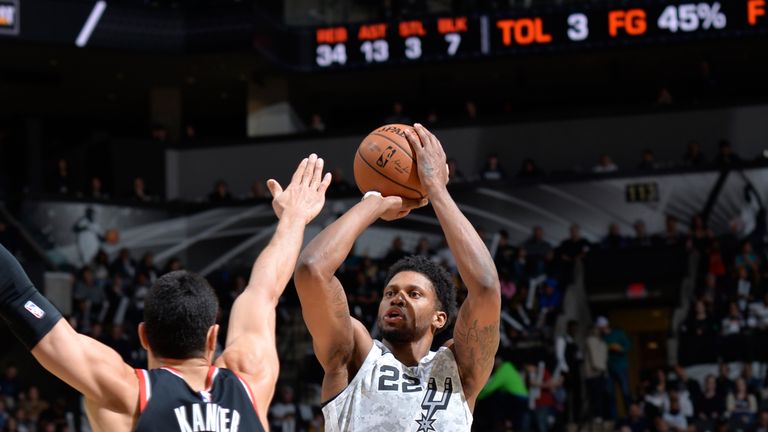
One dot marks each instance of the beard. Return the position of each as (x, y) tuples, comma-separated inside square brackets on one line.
[(397, 335)]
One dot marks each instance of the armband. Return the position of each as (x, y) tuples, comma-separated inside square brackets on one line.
[(29, 315)]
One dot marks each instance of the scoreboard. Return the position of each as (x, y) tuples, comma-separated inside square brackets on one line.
[(555, 28)]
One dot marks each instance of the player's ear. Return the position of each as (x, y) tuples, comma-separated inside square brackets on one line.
[(439, 319), (210, 342), (143, 336)]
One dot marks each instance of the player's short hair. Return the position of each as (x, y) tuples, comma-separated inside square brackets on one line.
[(178, 311), (441, 280)]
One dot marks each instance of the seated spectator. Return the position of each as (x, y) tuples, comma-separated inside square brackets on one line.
[(574, 247), (316, 124), (726, 157), (538, 248), (753, 383), (693, 156), (614, 240), (734, 322), (529, 170), (339, 186), (701, 235), (674, 417), (724, 383), (493, 171), (688, 389), (742, 290), (657, 397), (741, 406), (748, 260), (95, 191), (139, 192), (672, 236), (605, 165), (762, 422), (505, 253), (397, 115), (711, 406), (100, 267), (147, 266), (173, 264), (62, 182), (220, 193), (647, 163), (541, 390), (124, 265), (641, 238), (635, 420), (257, 191), (454, 173), (759, 311), (395, 252), (550, 301), (286, 414), (423, 248), (10, 386)]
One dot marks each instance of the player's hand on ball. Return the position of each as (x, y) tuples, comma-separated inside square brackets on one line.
[(430, 157), (305, 195), (395, 207)]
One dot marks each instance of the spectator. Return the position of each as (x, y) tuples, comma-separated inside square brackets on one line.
[(688, 389), (220, 193), (635, 420), (395, 252), (493, 171), (641, 238), (454, 173), (759, 310), (724, 383), (3, 414), (139, 192), (147, 266), (656, 397), (742, 290), (100, 267), (711, 407), (257, 191), (124, 265), (529, 170), (173, 264), (741, 406), (397, 116), (432, 119), (647, 163), (470, 111), (339, 186), (605, 165), (726, 157), (748, 260), (596, 369), (753, 383), (575, 247), (423, 248), (505, 253), (9, 384), (618, 364), (86, 290), (286, 414), (316, 124), (734, 322), (664, 97), (762, 422), (62, 183), (550, 300), (540, 252), (569, 361), (118, 341), (701, 235), (96, 192), (614, 240), (674, 417), (32, 404), (672, 236), (693, 156), (542, 386)]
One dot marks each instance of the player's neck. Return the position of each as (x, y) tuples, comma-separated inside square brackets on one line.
[(409, 353), (193, 370)]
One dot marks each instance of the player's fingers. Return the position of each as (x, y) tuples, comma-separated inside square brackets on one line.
[(423, 135), (317, 175), (299, 171), (309, 169), (413, 138), (325, 183), (274, 188), (412, 203)]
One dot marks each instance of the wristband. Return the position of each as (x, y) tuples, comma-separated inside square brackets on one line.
[(30, 315), (370, 193)]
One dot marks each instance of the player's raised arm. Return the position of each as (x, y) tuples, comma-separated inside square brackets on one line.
[(250, 347), (339, 340), (91, 367), (476, 332)]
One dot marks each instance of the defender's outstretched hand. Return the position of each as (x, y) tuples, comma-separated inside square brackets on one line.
[(430, 158), (305, 195)]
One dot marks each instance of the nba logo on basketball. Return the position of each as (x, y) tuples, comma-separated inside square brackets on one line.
[(386, 156), (34, 309)]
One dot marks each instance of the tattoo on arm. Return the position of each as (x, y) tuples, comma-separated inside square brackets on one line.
[(480, 343)]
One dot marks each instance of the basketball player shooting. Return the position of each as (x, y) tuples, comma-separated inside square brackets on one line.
[(397, 383), (184, 389)]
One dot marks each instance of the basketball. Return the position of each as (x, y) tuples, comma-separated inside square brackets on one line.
[(385, 163), (112, 236)]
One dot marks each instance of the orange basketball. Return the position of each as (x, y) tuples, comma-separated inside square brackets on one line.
[(112, 236), (385, 163)]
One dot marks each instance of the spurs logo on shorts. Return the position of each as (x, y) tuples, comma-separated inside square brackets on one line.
[(431, 406)]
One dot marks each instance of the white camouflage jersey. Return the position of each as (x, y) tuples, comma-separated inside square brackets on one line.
[(387, 395)]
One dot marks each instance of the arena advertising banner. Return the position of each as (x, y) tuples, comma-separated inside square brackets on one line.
[(10, 18)]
